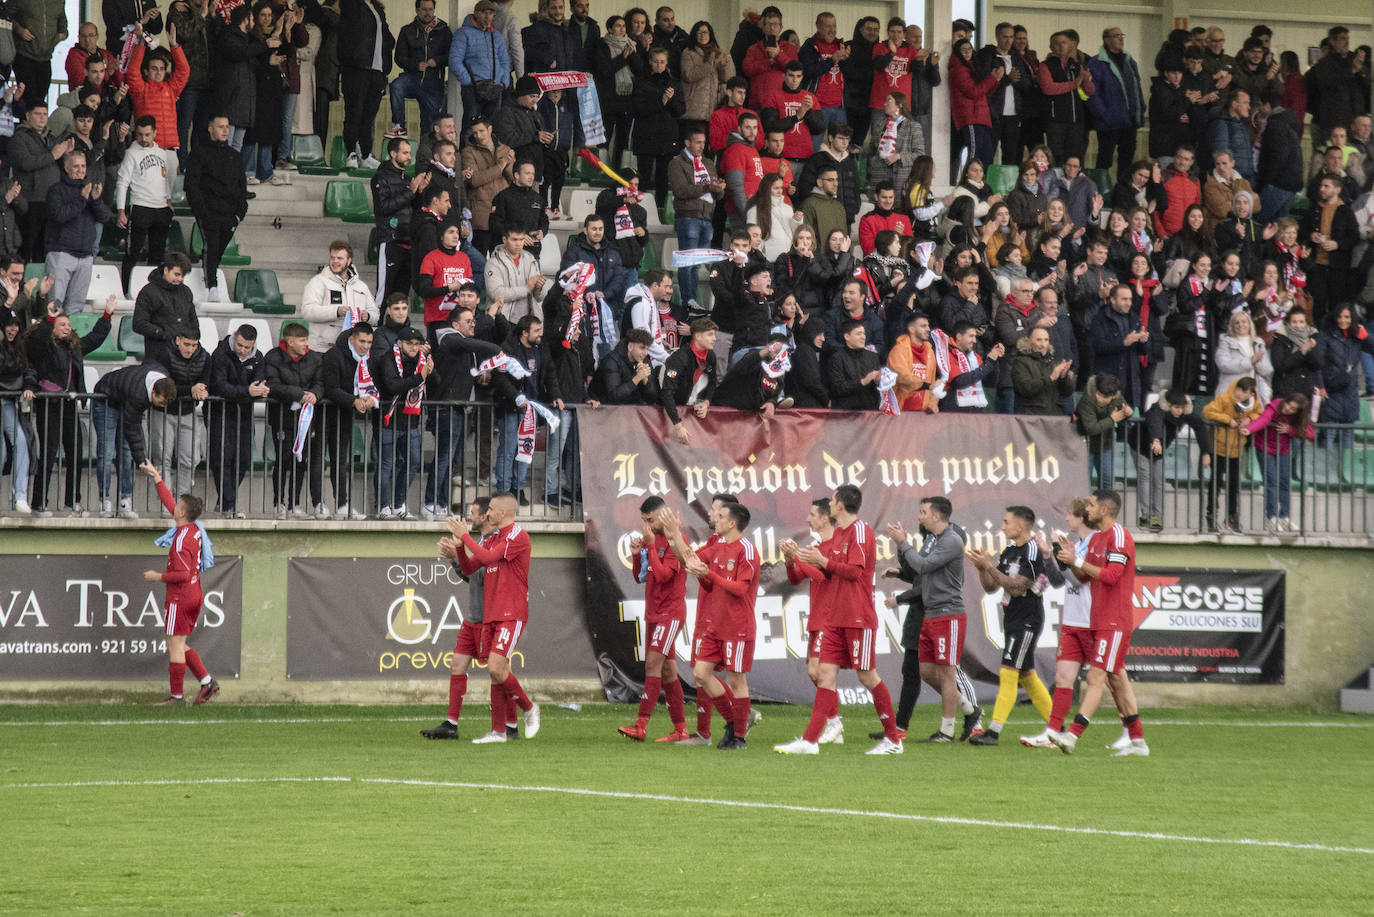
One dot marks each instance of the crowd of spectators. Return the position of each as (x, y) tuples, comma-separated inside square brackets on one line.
[(1037, 285)]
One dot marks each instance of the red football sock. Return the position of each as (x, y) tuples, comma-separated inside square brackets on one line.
[(725, 703), (882, 702), (177, 673), (820, 711), (1080, 723), (1063, 700), (673, 689), (498, 708), (741, 706), (703, 713), (457, 687), (834, 708), (1134, 728), (512, 711), (195, 665), (512, 686), (649, 699)]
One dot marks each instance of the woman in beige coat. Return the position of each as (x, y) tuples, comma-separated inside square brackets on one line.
[(705, 68), (304, 120), (486, 171)]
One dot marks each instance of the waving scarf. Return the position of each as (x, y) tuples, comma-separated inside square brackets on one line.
[(575, 279), (524, 434), (503, 362), (952, 362), (887, 394)]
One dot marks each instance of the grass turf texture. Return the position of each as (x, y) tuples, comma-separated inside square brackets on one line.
[(357, 847)]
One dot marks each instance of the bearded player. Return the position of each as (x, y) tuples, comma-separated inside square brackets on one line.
[(1109, 566), (823, 527), (184, 595), (656, 565)]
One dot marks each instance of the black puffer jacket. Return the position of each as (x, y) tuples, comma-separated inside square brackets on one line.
[(392, 202), (161, 310), (127, 390), (186, 373), (72, 218), (359, 32), (289, 379), (216, 186), (230, 378)]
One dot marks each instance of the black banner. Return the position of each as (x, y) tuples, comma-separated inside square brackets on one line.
[(388, 618), (981, 462), (1219, 626), (92, 616)]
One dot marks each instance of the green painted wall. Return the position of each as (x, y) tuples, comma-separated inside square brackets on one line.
[(1330, 628)]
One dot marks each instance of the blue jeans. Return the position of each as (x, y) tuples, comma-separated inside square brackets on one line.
[(561, 460), (1149, 484), (193, 114), (450, 427), (509, 474), (13, 430), (257, 160), (398, 452), (236, 135), (288, 115), (430, 95), (109, 429), (1277, 471), (1006, 401), (691, 233), (1274, 203), (1104, 464), (479, 264)]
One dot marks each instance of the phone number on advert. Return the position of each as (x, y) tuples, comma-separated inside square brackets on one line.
[(115, 647)]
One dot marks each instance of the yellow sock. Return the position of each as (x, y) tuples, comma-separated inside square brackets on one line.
[(1035, 689), (1006, 697)]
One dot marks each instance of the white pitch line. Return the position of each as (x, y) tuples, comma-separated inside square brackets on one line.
[(706, 801)]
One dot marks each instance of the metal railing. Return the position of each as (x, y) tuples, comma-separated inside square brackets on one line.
[(1330, 484), (239, 457)]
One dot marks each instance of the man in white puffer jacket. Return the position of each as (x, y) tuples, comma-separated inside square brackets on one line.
[(336, 298)]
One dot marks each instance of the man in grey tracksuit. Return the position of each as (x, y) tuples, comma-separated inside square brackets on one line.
[(939, 563)]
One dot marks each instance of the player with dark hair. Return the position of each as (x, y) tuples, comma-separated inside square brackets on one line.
[(851, 625), (657, 566), (728, 573), (1025, 567), (822, 525), (184, 596), (469, 643), (1109, 565)]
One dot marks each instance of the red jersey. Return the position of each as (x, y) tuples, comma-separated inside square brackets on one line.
[(797, 142), (705, 553), (183, 559), (830, 87), (741, 157), (724, 120), (1114, 552), (764, 72), (443, 269), (851, 561), (782, 167), (895, 77), (816, 617), (873, 222), (506, 580), (665, 582), (729, 590)]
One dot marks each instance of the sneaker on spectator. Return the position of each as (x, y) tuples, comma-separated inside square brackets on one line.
[(429, 512), (321, 511), (299, 512), (278, 179), (385, 513), (279, 511), (397, 130), (107, 508), (371, 162), (212, 294), (126, 508), (356, 514), (285, 165), (253, 180), (400, 512), (43, 512), (74, 511), (352, 161), (22, 507)]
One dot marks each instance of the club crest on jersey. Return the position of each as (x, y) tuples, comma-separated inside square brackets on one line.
[(661, 553), (672, 374), (730, 565)]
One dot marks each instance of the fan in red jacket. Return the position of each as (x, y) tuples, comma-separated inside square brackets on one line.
[(156, 93), (766, 60), (968, 100), (442, 273), (882, 217)]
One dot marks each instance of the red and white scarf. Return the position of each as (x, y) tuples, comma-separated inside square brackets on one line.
[(1292, 271), (953, 362), (524, 434), (1142, 242), (503, 362), (887, 392), (575, 280), (415, 398), (887, 144), (1274, 310), (773, 372), (363, 386)]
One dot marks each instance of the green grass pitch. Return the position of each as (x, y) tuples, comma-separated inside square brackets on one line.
[(123, 809)]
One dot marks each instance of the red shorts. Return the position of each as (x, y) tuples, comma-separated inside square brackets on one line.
[(499, 638), (182, 616), (1075, 644), (659, 637), (469, 640), (848, 648), (942, 639), (813, 643), (1109, 649), (733, 656)]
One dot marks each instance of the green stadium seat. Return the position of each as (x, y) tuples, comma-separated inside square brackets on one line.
[(231, 257), (347, 201), (113, 242), (650, 259), (307, 152), (1300, 206), (83, 322), (257, 288), (33, 269), (176, 240), (1001, 179), (670, 212), (338, 154), (129, 342), (1102, 178)]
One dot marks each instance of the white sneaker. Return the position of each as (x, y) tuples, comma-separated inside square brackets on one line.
[(43, 513), (371, 162), (1271, 526), (126, 508), (74, 511), (1136, 747), (1286, 525), (798, 746), (492, 736), (428, 512), (1038, 741), (384, 513), (321, 511), (299, 512), (22, 507), (532, 721), (352, 161), (279, 511), (107, 508), (355, 514), (252, 180), (400, 512), (1065, 741), (833, 733), (213, 295), (755, 717), (885, 746), (1122, 741), (278, 179)]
